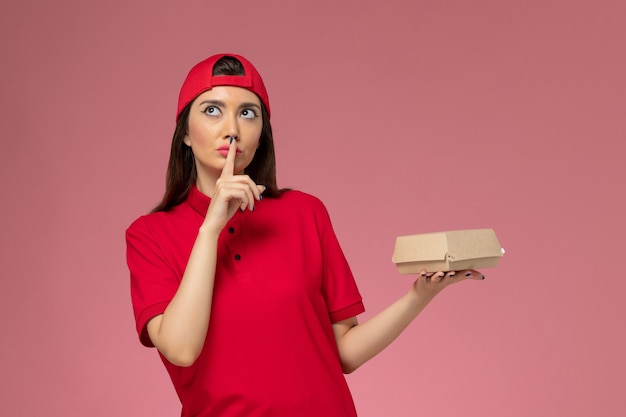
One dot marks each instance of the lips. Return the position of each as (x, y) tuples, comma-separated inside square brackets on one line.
[(224, 150)]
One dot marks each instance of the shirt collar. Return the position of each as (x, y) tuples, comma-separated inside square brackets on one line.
[(198, 201)]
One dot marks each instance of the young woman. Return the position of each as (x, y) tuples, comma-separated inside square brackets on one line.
[(243, 287)]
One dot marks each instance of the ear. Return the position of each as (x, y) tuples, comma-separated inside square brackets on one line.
[(186, 140)]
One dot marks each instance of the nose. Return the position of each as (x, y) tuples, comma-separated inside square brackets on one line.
[(231, 127)]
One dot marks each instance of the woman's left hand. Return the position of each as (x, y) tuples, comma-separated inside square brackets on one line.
[(430, 284)]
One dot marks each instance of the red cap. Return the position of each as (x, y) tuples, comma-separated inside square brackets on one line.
[(201, 79)]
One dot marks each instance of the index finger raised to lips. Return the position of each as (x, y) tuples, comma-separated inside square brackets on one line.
[(229, 165)]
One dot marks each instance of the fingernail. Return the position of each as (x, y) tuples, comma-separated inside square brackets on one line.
[(452, 274), (483, 277), (232, 138), (468, 274), (441, 275), (260, 197), (423, 274)]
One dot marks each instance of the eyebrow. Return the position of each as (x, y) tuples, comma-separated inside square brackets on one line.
[(222, 104)]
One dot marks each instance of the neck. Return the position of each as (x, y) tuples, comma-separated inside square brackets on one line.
[(205, 181)]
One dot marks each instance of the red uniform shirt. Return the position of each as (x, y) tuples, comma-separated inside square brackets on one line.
[(281, 281)]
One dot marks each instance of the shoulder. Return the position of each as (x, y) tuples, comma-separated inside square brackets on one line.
[(298, 204), (141, 230), (147, 220), (300, 199), (300, 207), (152, 222)]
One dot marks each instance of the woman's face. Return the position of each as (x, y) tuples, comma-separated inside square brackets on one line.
[(217, 115)]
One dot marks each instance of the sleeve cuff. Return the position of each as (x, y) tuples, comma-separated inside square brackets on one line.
[(347, 312), (144, 318)]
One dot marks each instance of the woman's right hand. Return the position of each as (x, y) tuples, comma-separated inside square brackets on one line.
[(232, 192)]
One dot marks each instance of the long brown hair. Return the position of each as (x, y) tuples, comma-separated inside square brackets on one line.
[(181, 169)]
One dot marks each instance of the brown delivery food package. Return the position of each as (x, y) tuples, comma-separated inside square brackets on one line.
[(447, 251)]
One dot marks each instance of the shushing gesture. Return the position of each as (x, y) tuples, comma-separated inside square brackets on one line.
[(232, 192)]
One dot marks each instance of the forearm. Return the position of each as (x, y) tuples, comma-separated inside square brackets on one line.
[(364, 341), (180, 332)]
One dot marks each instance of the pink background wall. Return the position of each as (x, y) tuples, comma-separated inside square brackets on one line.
[(403, 116)]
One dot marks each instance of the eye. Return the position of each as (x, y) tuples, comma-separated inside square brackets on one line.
[(211, 111), (248, 114)]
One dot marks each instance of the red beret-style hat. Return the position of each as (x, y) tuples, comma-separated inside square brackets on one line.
[(201, 79)]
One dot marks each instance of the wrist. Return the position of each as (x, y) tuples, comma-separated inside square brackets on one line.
[(208, 231), (418, 298)]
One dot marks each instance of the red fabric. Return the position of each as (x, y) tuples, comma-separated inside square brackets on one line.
[(270, 349)]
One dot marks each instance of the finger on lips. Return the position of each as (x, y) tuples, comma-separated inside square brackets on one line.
[(251, 191), (229, 165)]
